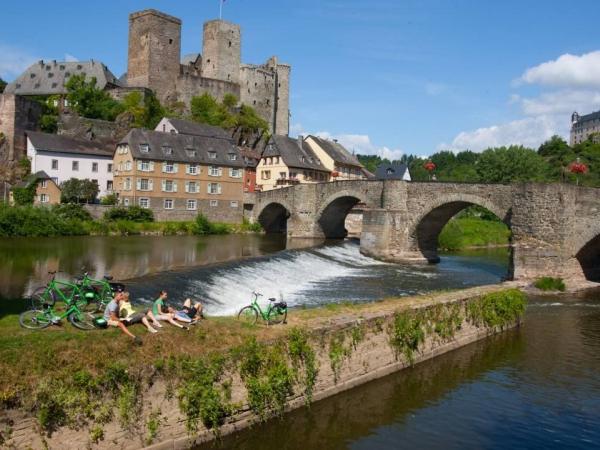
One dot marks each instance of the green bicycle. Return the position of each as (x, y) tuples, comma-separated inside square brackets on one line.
[(275, 313), (42, 313), (98, 293)]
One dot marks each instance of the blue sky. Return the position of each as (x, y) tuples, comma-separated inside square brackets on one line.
[(386, 77)]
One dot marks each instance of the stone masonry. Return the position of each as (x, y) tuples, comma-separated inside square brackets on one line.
[(154, 62), (555, 227)]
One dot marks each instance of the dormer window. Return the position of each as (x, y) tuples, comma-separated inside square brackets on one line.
[(212, 155), (167, 150), (144, 148), (232, 157), (191, 152)]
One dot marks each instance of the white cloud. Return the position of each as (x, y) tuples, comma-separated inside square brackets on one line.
[(562, 102), (566, 70), (70, 58), (296, 129), (529, 132), (13, 61)]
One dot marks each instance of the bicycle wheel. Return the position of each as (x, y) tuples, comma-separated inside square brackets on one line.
[(277, 315), (42, 298), (35, 319), (248, 315), (84, 320)]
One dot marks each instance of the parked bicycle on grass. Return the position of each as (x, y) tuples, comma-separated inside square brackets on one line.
[(276, 312)]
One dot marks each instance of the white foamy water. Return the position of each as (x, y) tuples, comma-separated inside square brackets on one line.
[(349, 253), (287, 276)]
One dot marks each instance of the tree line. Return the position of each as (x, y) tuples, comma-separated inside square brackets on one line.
[(551, 162)]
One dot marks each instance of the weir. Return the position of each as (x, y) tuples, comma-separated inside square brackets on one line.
[(555, 227)]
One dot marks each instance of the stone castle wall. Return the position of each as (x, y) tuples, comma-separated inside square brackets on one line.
[(221, 51), (17, 114), (257, 89)]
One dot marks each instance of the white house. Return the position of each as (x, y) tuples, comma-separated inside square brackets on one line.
[(63, 158)]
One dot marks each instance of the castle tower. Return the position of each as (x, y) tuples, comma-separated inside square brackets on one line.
[(282, 96), (154, 52), (221, 51)]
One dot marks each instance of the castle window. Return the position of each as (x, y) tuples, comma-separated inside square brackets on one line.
[(229, 43), (144, 148), (254, 102), (61, 67), (50, 74), (79, 67), (32, 75), (170, 41)]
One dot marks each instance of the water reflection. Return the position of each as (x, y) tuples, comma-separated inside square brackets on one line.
[(25, 263)]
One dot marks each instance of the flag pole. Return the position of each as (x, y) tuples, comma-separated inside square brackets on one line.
[(220, 9)]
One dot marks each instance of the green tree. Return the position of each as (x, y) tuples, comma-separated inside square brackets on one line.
[(89, 101), (206, 109), (78, 191), (510, 164), (147, 111), (23, 196), (2, 85)]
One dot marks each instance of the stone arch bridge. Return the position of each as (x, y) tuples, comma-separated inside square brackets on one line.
[(555, 227)]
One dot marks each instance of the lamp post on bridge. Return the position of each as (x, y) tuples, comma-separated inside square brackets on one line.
[(577, 167), (429, 166)]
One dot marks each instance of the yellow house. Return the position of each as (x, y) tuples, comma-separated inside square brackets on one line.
[(342, 164), (179, 176), (47, 191), (286, 162)]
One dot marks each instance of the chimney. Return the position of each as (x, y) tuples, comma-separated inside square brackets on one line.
[(300, 140)]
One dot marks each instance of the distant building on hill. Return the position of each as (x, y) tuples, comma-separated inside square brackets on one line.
[(584, 126), (392, 172)]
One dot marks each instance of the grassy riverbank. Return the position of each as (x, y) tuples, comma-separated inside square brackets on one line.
[(66, 377), (73, 220), (466, 232)]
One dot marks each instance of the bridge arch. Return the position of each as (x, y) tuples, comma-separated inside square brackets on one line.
[(273, 217), (427, 226), (331, 216), (586, 251)]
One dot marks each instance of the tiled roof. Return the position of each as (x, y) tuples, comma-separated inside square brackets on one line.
[(48, 78), (33, 177), (390, 171), (336, 151), (293, 153), (588, 118), (199, 129), (250, 156), (63, 144), (183, 148)]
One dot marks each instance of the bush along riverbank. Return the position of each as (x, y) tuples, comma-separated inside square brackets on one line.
[(465, 232), (68, 389), (74, 220)]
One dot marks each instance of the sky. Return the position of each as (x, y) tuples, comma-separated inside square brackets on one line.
[(384, 77)]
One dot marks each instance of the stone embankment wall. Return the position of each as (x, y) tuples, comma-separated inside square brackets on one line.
[(330, 354)]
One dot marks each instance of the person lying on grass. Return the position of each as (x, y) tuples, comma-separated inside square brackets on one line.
[(190, 312), (129, 316), (162, 312), (111, 315)]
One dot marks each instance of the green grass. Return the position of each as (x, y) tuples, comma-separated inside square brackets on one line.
[(465, 232), (550, 284)]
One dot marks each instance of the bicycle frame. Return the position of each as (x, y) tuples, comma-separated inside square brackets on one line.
[(54, 288), (255, 305)]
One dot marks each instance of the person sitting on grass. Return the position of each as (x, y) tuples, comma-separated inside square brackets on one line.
[(162, 312), (192, 313), (111, 315), (129, 316)]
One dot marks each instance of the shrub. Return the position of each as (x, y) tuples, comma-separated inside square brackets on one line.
[(550, 284), (204, 226), (131, 213), (71, 211), (110, 199), (24, 195), (497, 309), (37, 221)]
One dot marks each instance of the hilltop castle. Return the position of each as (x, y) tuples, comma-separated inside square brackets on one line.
[(154, 62)]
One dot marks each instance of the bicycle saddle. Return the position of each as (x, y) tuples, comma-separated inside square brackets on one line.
[(272, 299)]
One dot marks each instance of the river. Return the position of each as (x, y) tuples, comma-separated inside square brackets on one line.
[(537, 387), (223, 271)]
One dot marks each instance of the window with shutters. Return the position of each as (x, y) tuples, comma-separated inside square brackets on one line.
[(169, 167), (144, 202), (214, 203), (44, 184), (193, 169), (192, 187), (214, 171), (127, 184), (192, 205), (144, 166), (144, 184), (127, 165), (169, 186), (44, 198), (214, 188), (235, 173), (168, 203)]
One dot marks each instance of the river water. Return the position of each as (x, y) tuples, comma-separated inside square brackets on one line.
[(537, 387)]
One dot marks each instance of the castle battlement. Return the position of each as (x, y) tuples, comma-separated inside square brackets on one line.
[(154, 62)]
